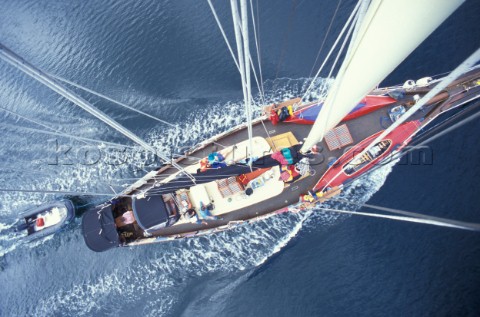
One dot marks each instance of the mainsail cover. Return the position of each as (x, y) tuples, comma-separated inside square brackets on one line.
[(389, 32)]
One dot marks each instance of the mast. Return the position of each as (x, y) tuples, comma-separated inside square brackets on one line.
[(389, 32), (246, 50), (243, 61)]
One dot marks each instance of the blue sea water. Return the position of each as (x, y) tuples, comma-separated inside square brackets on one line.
[(169, 59)]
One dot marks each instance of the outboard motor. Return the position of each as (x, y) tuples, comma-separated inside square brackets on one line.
[(22, 226)]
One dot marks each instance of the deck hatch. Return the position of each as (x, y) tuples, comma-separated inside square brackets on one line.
[(338, 137)]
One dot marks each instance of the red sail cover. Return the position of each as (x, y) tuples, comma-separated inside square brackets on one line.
[(309, 114)]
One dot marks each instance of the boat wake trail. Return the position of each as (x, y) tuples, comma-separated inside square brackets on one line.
[(156, 279), (8, 239)]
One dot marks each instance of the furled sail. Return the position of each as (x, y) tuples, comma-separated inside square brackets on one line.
[(389, 32)]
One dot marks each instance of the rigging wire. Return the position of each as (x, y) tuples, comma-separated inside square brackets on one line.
[(44, 174), (325, 38), (212, 8), (59, 192), (256, 80), (247, 57), (439, 220), (402, 218), (259, 83), (111, 100), (362, 12), (56, 131), (350, 18), (26, 171), (286, 36), (257, 45), (457, 125), (83, 139), (342, 47), (198, 177), (444, 132), (21, 64), (269, 136), (352, 29), (28, 119), (244, 57), (162, 176), (243, 53)]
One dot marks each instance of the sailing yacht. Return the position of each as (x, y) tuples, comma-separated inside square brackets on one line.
[(166, 205), (296, 154)]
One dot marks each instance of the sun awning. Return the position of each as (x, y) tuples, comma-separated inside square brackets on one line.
[(150, 211), (98, 229)]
